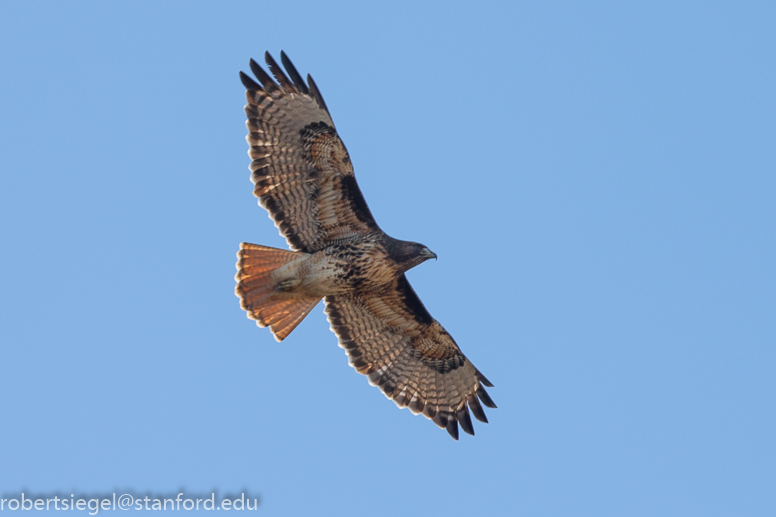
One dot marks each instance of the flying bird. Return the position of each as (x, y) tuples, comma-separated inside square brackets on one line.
[(304, 178)]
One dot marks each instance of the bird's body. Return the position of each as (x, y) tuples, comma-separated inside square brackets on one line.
[(363, 264), (304, 178)]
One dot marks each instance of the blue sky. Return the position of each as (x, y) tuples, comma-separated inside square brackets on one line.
[(597, 180)]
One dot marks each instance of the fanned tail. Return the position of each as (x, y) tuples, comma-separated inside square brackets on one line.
[(280, 310)]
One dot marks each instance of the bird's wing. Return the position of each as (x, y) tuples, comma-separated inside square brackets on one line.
[(391, 338), (301, 169)]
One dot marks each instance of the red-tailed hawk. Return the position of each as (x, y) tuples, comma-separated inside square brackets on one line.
[(303, 177)]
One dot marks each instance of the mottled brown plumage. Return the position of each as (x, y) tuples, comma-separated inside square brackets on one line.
[(304, 178)]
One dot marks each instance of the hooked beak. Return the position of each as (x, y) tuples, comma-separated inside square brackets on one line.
[(429, 254)]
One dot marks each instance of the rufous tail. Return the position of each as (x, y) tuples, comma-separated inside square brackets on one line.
[(280, 310)]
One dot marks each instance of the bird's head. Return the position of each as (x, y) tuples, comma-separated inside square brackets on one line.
[(409, 254)]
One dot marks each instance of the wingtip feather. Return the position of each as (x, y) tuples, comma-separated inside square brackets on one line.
[(465, 420), (485, 398), (476, 409), (484, 380), (280, 76), (292, 71), (266, 81), (249, 83), (316, 94), (452, 428)]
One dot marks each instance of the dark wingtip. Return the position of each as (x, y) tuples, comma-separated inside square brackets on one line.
[(264, 78), (316, 93), (255, 68), (476, 408), (295, 77), (278, 73), (483, 380), (465, 420), (249, 83), (485, 398), (452, 427)]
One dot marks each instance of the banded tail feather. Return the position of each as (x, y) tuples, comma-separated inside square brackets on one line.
[(262, 297)]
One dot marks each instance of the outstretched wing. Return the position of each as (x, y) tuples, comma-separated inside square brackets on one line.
[(301, 169), (390, 337)]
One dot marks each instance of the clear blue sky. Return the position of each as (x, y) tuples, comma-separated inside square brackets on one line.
[(598, 180)]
